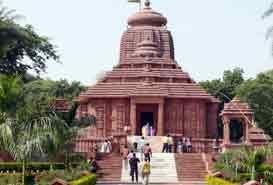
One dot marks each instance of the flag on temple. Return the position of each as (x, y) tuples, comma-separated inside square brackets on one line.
[(134, 1)]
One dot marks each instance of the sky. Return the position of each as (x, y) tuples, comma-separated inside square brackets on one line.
[(209, 36)]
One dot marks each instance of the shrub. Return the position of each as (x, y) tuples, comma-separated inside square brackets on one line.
[(217, 181), (85, 180), (10, 179)]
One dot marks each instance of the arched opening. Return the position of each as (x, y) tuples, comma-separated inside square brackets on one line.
[(236, 131)]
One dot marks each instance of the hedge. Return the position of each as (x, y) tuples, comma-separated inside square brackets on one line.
[(10, 179), (85, 180), (17, 167), (217, 181)]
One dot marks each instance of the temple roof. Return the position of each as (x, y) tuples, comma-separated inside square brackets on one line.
[(170, 90), (147, 16), (153, 72), (236, 106)]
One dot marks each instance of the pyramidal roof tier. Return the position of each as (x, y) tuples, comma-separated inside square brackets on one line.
[(147, 65)]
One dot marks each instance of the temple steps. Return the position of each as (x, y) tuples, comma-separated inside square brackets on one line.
[(111, 166), (179, 183), (190, 167), (162, 165), (167, 169)]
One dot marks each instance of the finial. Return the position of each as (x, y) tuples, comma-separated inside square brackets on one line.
[(147, 3)]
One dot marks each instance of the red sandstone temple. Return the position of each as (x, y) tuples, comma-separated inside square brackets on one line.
[(148, 85)]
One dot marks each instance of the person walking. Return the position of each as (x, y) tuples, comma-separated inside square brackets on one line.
[(134, 168), (165, 144), (125, 154), (145, 171), (147, 152), (141, 147)]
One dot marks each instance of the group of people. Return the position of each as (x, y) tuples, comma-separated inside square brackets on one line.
[(131, 160), (183, 145), (106, 147)]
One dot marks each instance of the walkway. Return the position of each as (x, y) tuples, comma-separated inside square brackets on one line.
[(163, 169)]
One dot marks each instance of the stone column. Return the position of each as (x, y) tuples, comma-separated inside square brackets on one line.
[(246, 136), (226, 131), (160, 126), (133, 117)]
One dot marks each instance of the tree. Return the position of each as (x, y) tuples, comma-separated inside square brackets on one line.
[(259, 94), (21, 48), (10, 93)]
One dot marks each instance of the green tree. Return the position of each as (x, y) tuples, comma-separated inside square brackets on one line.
[(259, 94), (10, 93), (20, 43)]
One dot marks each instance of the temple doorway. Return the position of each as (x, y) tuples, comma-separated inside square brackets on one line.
[(147, 119), (236, 131)]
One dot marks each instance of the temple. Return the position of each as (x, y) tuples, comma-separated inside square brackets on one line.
[(148, 86)]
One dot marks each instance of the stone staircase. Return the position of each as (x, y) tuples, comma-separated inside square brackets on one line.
[(190, 167), (111, 166), (166, 168), (163, 169)]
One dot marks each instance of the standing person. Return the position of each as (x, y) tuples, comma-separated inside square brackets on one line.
[(189, 145), (146, 171), (135, 145), (141, 147), (134, 168), (170, 144), (179, 147), (96, 152), (125, 154), (165, 144), (184, 145), (104, 147), (108, 147), (148, 152)]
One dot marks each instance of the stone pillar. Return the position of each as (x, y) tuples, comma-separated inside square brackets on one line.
[(246, 136), (226, 131), (160, 126), (133, 117)]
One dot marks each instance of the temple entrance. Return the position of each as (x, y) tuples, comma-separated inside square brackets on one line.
[(236, 131), (147, 119)]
